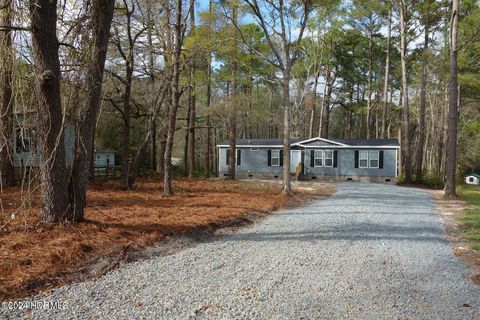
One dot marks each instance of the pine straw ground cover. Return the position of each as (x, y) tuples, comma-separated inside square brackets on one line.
[(35, 257)]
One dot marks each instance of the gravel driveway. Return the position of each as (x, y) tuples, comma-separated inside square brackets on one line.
[(371, 251)]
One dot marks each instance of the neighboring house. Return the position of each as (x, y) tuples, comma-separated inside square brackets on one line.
[(341, 159), (104, 158), (25, 144), (472, 179)]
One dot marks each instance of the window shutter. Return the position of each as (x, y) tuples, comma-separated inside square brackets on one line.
[(239, 157), (281, 158), (269, 158), (380, 159), (335, 156), (312, 158), (356, 158), (228, 157)]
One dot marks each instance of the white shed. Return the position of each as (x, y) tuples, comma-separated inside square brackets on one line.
[(104, 158), (472, 179)]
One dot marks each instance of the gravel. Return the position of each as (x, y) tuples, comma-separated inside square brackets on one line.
[(371, 251)]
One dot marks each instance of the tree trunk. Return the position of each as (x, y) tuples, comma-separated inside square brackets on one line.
[(423, 102), (405, 118), (232, 129), (172, 114), (329, 81), (102, 13), (192, 100), (7, 170), (287, 185), (453, 97), (369, 98), (208, 154), (151, 67), (126, 126), (185, 147), (191, 124), (48, 106), (387, 75), (314, 106)]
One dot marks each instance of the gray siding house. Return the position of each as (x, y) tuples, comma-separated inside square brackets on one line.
[(25, 143), (104, 158), (341, 159)]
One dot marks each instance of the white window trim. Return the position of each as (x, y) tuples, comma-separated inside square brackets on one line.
[(271, 160), (378, 159), (360, 159), (315, 158), (325, 158)]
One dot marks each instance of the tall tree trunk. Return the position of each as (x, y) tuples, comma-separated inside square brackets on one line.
[(7, 170), (232, 129), (314, 106), (172, 114), (369, 98), (151, 67), (329, 81), (423, 102), (405, 118), (129, 68), (126, 126), (48, 106), (287, 185), (208, 155), (192, 100), (453, 97), (386, 77), (102, 13), (185, 147)]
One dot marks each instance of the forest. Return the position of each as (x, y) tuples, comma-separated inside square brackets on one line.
[(162, 82)]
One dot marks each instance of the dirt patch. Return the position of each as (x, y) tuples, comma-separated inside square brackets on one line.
[(449, 209), (122, 226)]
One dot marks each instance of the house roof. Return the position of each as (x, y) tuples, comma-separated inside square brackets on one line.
[(473, 175), (340, 142), (104, 151), (258, 142), (369, 142)]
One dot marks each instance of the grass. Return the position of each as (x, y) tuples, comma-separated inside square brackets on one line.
[(471, 215)]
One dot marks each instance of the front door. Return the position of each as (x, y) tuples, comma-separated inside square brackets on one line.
[(296, 158)]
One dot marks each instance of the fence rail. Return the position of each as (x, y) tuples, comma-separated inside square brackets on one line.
[(108, 171)]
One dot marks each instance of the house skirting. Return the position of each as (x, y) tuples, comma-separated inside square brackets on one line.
[(313, 177)]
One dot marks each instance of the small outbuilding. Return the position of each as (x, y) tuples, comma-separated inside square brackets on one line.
[(104, 158), (472, 179)]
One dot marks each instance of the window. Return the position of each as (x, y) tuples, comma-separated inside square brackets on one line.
[(318, 156), (328, 158), (238, 158), (471, 179), (363, 159), (373, 158), (25, 142), (275, 158)]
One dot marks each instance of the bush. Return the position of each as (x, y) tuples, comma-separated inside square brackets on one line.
[(429, 180), (432, 181)]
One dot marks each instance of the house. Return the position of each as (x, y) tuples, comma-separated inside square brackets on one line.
[(104, 158), (25, 142), (472, 179), (340, 159)]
